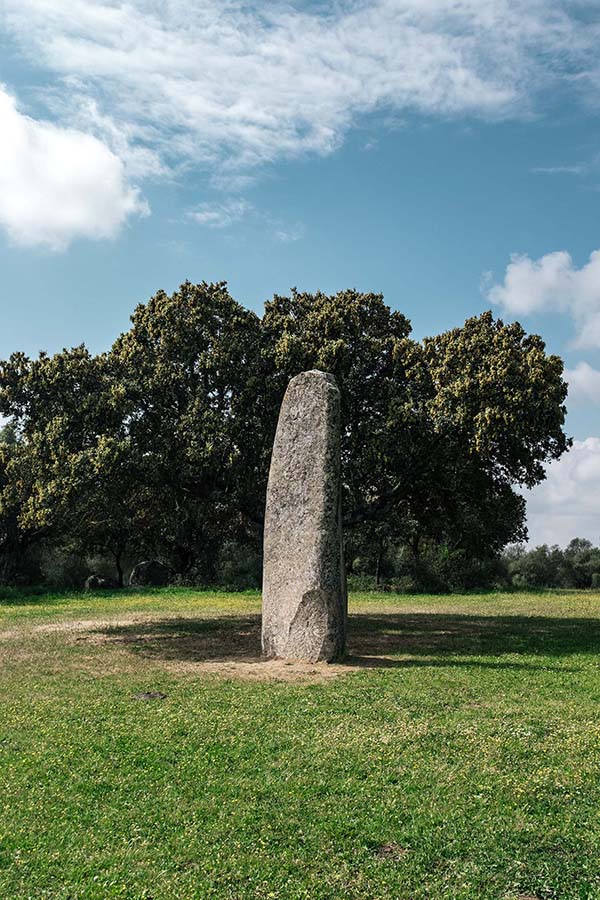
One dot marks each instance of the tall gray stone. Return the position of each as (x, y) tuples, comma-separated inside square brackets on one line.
[(304, 584)]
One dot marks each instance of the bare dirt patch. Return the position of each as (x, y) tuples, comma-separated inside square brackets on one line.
[(391, 851), (258, 669), (228, 646)]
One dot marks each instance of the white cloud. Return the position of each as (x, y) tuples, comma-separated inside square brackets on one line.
[(553, 284), (566, 504), (57, 184), (237, 85), (139, 160), (572, 169), (220, 215), (229, 87), (230, 212), (584, 385)]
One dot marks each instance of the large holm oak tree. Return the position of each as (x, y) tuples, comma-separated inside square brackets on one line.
[(162, 444)]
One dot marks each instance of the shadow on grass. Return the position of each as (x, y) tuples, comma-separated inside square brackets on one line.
[(390, 640)]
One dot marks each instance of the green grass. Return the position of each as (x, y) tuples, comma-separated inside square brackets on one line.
[(465, 735)]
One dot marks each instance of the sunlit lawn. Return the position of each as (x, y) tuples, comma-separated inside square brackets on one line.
[(457, 755)]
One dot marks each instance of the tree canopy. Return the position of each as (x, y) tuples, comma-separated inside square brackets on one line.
[(162, 444)]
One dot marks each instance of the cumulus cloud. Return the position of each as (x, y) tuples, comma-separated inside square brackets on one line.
[(584, 384), (554, 284), (566, 504), (57, 184)]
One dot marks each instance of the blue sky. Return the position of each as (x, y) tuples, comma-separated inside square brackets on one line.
[(443, 152)]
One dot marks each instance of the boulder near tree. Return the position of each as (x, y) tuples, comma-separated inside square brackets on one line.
[(150, 573)]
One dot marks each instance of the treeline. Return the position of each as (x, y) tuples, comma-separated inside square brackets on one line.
[(160, 447), (440, 568), (577, 566)]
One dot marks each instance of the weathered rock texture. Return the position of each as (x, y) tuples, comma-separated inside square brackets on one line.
[(304, 584)]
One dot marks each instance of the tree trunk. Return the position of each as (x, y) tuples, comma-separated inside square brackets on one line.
[(416, 551), (118, 556), (378, 562)]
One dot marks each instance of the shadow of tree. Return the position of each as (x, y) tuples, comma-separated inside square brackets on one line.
[(441, 633), (384, 640)]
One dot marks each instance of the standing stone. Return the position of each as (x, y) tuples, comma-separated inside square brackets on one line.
[(304, 583)]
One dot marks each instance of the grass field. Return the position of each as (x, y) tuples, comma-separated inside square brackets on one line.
[(455, 755)]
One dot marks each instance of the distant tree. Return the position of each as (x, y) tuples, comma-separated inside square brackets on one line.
[(581, 562), (577, 566)]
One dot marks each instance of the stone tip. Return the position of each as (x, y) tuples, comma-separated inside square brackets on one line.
[(315, 375)]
